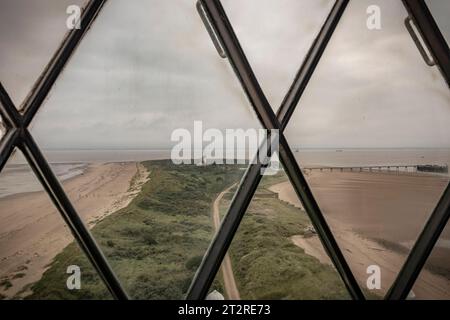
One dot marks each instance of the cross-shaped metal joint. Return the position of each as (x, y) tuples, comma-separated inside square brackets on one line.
[(227, 45), (18, 135)]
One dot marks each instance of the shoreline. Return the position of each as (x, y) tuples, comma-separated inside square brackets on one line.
[(104, 188), (26, 169), (360, 248), (33, 232)]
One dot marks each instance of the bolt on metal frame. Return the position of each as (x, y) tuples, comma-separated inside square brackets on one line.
[(228, 46)]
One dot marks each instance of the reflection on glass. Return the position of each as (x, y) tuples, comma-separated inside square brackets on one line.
[(276, 36), (2, 128), (276, 253), (30, 33), (142, 72), (371, 136), (434, 279), (32, 235), (440, 9)]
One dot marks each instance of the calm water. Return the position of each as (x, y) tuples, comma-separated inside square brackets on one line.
[(373, 157), (18, 178)]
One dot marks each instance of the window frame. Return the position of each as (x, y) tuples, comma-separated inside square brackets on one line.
[(213, 15)]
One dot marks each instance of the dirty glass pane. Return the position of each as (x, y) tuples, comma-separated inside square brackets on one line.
[(276, 36), (372, 137), (30, 33), (146, 72)]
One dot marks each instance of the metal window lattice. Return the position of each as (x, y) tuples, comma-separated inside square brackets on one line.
[(227, 44)]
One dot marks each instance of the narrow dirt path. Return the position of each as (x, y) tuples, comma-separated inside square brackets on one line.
[(231, 289)]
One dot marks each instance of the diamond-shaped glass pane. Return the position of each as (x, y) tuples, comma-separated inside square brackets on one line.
[(30, 33), (276, 253), (434, 279), (142, 72), (37, 250), (371, 136), (276, 36)]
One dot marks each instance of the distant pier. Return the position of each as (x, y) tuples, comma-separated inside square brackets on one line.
[(398, 168)]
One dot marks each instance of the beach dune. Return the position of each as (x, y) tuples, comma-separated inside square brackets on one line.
[(32, 231)]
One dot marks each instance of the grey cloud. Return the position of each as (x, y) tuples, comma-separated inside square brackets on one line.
[(147, 67)]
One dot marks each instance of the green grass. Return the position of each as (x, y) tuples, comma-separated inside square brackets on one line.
[(267, 265), (156, 243)]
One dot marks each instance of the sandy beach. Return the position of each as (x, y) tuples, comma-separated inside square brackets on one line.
[(286, 193), (32, 232), (370, 213)]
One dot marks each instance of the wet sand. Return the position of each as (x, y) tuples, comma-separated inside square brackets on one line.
[(32, 232), (376, 218)]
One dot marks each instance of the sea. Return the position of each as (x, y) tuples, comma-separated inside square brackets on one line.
[(355, 198), (17, 177)]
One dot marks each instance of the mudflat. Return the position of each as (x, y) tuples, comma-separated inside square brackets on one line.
[(376, 217)]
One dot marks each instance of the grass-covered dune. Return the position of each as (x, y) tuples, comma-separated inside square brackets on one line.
[(266, 263), (156, 243)]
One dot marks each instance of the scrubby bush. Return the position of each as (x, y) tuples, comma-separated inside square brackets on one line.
[(110, 243), (148, 239), (194, 262), (156, 243)]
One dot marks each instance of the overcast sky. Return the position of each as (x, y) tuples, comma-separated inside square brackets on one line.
[(147, 67)]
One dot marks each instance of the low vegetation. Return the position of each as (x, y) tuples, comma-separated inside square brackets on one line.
[(157, 242), (266, 263)]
